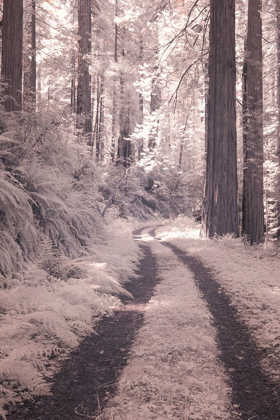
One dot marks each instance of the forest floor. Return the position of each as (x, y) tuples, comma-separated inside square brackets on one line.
[(200, 339)]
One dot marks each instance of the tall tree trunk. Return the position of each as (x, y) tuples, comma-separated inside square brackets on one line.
[(97, 116), (125, 149), (123, 125), (12, 34), (220, 214), (252, 206), (182, 143), (277, 4), (84, 78), (206, 111), (140, 145), (114, 111), (39, 87), (101, 117), (29, 79), (99, 122), (73, 82), (124, 146), (154, 106), (278, 72)]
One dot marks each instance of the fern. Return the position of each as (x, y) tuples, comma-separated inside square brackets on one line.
[(66, 214), (56, 273), (18, 239), (24, 375)]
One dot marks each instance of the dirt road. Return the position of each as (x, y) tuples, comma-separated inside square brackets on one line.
[(88, 378)]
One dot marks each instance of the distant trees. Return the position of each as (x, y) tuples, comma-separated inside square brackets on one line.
[(128, 77), (220, 214), (12, 41)]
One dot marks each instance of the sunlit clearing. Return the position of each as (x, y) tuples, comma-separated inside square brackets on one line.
[(145, 237), (275, 290), (141, 307), (156, 303), (98, 265), (133, 307), (176, 233)]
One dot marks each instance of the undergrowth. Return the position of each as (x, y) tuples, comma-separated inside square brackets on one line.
[(61, 267), (62, 264)]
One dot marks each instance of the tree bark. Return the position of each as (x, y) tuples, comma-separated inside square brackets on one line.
[(73, 83), (140, 145), (253, 206), (39, 87), (97, 116), (12, 34), (114, 116), (278, 72), (220, 214), (84, 77), (29, 79), (182, 143), (125, 148), (99, 123), (277, 9), (154, 106)]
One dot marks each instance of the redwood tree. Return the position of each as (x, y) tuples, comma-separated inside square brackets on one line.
[(277, 4), (29, 79), (253, 207), (125, 152), (114, 108), (12, 33), (220, 213), (84, 77), (154, 106), (278, 70)]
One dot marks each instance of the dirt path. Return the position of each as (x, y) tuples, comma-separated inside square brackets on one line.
[(253, 394), (88, 376)]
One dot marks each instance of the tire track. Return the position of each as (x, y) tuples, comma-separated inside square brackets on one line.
[(88, 378), (254, 395)]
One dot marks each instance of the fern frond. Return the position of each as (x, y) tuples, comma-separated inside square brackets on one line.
[(24, 375)]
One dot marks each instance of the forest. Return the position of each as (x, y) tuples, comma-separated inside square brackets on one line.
[(115, 114)]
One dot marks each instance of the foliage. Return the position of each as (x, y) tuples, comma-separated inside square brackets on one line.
[(149, 68), (53, 278)]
